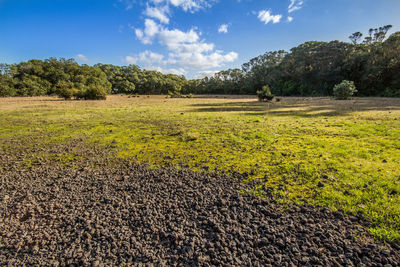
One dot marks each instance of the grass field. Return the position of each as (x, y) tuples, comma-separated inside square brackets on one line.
[(340, 154)]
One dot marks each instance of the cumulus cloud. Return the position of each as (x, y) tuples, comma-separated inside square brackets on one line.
[(150, 57), (266, 17), (81, 57), (200, 60), (160, 13), (295, 5), (150, 30), (176, 39), (289, 19), (186, 50), (223, 28), (130, 60)]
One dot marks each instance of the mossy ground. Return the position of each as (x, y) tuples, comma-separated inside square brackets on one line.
[(339, 154)]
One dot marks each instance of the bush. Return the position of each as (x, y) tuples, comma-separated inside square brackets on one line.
[(6, 87), (344, 90), (265, 94), (65, 90), (94, 92)]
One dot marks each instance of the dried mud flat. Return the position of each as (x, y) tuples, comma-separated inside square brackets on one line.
[(126, 214)]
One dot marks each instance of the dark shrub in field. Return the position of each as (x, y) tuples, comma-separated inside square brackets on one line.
[(265, 94), (65, 90), (344, 90), (94, 92)]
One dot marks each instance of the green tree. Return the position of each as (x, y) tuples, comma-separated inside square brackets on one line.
[(6, 80), (94, 92), (31, 85)]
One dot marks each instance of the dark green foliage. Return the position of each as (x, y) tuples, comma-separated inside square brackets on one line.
[(265, 94), (94, 92), (6, 87), (6, 81), (314, 68), (121, 78), (66, 90), (68, 79), (31, 85), (344, 90)]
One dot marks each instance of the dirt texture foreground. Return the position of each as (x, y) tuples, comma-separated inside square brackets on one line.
[(129, 214)]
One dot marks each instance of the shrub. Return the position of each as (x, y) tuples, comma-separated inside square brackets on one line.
[(65, 90), (173, 94), (265, 94), (6, 86), (94, 92), (344, 90)]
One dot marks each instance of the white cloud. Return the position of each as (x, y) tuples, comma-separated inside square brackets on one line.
[(266, 17), (81, 57), (200, 60), (186, 50), (289, 19), (150, 57), (179, 71), (223, 28), (159, 13), (295, 5), (130, 60), (173, 39), (150, 30)]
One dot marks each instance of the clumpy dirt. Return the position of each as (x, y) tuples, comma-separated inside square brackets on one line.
[(126, 214)]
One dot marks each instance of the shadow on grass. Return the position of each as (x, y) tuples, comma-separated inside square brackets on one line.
[(303, 107)]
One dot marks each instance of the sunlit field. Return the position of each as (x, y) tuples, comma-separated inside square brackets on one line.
[(337, 154)]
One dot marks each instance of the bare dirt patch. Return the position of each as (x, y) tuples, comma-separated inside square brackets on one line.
[(98, 213)]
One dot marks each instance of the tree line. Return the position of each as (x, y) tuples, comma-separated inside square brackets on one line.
[(310, 69), (68, 79), (314, 68)]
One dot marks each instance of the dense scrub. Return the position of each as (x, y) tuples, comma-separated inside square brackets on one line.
[(312, 68), (68, 79)]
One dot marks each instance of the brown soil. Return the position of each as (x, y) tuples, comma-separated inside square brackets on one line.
[(106, 213)]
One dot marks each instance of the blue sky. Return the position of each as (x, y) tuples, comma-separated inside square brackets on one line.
[(190, 37)]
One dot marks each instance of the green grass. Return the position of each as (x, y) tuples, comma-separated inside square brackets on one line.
[(351, 149)]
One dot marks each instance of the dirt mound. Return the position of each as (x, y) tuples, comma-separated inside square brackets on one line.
[(130, 215)]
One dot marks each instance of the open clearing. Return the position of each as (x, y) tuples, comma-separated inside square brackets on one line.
[(337, 154)]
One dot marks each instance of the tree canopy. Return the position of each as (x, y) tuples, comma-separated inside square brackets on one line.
[(68, 79), (314, 68)]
